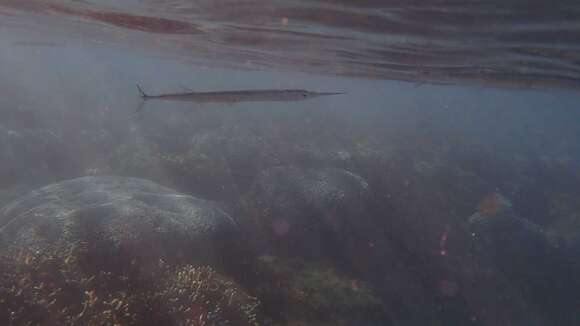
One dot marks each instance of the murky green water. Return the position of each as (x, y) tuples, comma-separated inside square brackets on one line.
[(441, 189)]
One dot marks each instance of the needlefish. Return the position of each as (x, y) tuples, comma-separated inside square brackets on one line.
[(258, 95)]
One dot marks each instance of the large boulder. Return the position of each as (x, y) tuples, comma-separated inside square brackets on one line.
[(541, 266), (514, 242), (315, 213), (127, 219), (330, 215)]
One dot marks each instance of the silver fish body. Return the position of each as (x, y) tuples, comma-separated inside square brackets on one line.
[(263, 95)]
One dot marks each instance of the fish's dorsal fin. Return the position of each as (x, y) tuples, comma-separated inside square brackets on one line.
[(186, 88)]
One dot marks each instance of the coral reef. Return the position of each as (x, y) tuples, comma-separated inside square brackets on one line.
[(565, 213), (135, 158), (49, 286), (316, 292), (55, 286), (198, 295)]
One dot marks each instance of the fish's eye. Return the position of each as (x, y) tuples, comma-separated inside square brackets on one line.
[(304, 94)]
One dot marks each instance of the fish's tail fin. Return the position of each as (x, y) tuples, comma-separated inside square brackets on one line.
[(140, 106), (144, 97), (143, 94)]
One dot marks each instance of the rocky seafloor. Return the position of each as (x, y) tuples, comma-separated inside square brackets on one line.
[(236, 218)]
